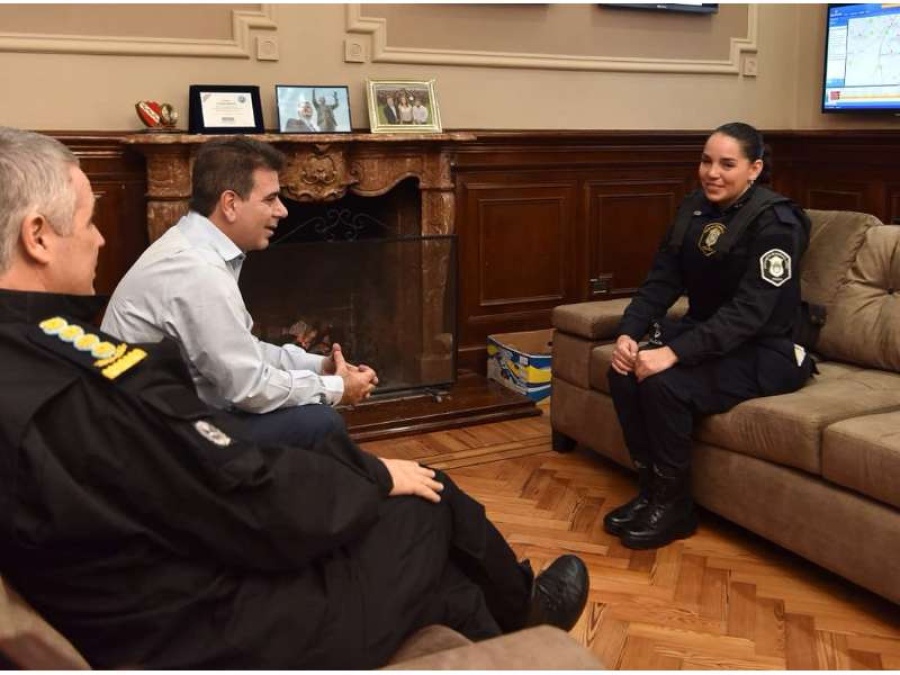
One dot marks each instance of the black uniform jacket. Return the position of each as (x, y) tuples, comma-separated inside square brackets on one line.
[(750, 294), (138, 527)]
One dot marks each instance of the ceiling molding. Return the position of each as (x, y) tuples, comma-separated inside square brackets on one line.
[(239, 46), (381, 52)]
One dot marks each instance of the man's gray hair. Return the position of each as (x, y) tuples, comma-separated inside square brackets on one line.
[(34, 176)]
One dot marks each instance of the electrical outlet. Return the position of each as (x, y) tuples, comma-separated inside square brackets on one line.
[(750, 66)]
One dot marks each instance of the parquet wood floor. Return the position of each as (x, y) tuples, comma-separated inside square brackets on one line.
[(723, 599)]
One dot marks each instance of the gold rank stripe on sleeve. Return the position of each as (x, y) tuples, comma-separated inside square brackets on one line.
[(130, 359), (111, 360)]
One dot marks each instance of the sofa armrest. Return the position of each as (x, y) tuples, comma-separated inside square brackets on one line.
[(599, 320), (538, 648)]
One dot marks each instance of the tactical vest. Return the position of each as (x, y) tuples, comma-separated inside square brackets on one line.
[(810, 317), (761, 199)]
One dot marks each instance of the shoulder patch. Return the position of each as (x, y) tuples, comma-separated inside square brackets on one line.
[(87, 346), (775, 266), (786, 214)]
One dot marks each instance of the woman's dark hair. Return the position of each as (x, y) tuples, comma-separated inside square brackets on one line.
[(228, 164), (752, 145)]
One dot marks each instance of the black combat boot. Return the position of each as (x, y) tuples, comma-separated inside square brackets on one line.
[(670, 514), (619, 519)]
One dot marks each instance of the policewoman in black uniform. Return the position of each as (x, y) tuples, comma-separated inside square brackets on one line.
[(734, 250)]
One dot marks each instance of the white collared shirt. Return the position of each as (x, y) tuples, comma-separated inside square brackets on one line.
[(185, 286)]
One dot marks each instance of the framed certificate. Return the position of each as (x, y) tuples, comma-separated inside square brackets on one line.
[(225, 109)]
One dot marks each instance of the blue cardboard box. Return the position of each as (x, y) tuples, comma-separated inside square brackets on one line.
[(521, 361)]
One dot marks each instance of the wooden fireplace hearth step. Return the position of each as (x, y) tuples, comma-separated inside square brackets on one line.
[(473, 399)]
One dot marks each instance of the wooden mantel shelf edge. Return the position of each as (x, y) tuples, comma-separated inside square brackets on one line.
[(150, 138)]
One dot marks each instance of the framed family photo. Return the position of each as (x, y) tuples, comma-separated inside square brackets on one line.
[(313, 109), (224, 109), (402, 107)]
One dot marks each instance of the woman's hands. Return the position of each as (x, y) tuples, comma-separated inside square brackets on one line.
[(624, 354), (626, 358)]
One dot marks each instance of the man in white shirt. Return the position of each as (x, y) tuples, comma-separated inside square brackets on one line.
[(185, 286)]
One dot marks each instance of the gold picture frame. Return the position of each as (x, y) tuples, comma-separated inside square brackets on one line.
[(403, 107)]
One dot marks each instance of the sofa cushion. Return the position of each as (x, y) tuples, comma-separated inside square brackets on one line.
[(788, 429), (835, 238), (591, 320), (599, 320), (863, 324), (428, 640), (537, 648), (863, 454), (572, 358), (601, 357)]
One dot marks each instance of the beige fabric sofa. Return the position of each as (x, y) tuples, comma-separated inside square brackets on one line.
[(816, 471), (27, 641)]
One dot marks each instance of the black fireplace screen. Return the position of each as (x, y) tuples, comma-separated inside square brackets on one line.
[(389, 302)]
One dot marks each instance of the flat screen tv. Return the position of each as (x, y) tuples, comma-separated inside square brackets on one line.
[(689, 7), (862, 59)]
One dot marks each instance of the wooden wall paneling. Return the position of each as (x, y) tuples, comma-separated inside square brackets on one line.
[(839, 198), (626, 220), (892, 192), (120, 217), (849, 169), (852, 189), (118, 178), (516, 254)]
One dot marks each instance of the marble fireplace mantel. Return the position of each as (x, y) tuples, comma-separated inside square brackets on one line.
[(320, 167)]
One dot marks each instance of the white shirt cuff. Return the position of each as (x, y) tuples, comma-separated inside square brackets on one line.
[(334, 388)]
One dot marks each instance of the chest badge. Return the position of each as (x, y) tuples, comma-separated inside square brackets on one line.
[(775, 266), (709, 237)]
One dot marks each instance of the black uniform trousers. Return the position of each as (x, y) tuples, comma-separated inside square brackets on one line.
[(657, 415), (416, 567)]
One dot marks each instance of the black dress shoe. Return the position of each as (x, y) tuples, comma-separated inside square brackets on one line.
[(560, 593)]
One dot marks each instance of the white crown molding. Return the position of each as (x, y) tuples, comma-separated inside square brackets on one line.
[(376, 28), (239, 46)]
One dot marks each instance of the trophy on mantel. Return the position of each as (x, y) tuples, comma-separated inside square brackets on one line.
[(157, 116)]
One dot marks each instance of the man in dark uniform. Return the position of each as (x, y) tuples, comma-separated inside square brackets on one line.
[(151, 537), (734, 250)]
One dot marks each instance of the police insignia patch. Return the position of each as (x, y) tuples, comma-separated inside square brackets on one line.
[(709, 237), (212, 433), (775, 266)]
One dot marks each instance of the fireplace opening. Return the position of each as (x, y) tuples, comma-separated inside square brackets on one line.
[(350, 272), (396, 213)]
